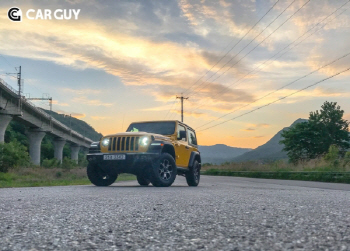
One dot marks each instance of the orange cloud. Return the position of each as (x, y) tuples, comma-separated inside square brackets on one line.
[(73, 114), (248, 129), (86, 101)]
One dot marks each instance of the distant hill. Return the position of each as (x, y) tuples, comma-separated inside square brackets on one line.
[(220, 153), (76, 124), (271, 150)]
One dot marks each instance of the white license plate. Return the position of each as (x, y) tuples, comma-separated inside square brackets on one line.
[(114, 157)]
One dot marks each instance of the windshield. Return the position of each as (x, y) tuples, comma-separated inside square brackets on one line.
[(164, 128)]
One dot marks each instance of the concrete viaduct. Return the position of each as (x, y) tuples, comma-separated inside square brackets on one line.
[(39, 123)]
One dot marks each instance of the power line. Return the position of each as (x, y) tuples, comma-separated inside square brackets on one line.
[(282, 87), (172, 116), (257, 44), (7, 61), (259, 68), (170, 108), (309, 86), (233, 46)]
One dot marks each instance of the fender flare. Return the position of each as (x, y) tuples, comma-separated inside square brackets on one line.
[(194, 155), (161, 146)]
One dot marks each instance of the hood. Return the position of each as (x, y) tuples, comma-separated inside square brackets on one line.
[(139, 134)]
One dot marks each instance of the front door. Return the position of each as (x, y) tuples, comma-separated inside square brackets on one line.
[(182, 149)]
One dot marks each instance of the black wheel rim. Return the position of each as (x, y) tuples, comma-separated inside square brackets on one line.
[(165, 170), (196, 173)]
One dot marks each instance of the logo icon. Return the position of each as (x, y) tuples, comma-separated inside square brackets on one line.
[(15, 14)]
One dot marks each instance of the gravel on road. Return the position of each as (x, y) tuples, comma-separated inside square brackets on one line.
[(223, 213)]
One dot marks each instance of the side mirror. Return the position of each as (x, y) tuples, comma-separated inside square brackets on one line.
[(182, 135)]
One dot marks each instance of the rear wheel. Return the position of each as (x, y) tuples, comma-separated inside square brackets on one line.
[(193, 176), (98, 177), (142, 180), (163, 171)]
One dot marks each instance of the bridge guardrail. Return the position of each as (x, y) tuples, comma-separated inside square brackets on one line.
[(7, 86)]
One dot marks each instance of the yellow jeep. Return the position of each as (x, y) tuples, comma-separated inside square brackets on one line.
[(155, 151)]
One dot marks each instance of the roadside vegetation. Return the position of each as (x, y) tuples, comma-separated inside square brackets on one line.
[(332, 167), (40, 176), (318, 150), (16, 170)]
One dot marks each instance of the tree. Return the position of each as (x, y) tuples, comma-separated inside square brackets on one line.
[(13, 154), (309, 140)]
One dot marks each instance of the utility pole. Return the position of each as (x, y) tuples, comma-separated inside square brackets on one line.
[(19, 81), (182, 106)]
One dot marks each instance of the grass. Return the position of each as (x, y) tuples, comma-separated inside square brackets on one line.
[(313, 170), (39, 176)]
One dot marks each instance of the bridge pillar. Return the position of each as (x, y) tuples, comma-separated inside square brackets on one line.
[(58, 144), (35, 136), (4, 121), (74, 152)]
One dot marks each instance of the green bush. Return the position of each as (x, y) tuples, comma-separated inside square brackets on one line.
[(13, 154), (346, 159), (332, 157), (82, 160), (68, 163), (51, 163)]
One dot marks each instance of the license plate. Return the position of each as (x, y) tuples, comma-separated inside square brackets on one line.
[(114, 157)]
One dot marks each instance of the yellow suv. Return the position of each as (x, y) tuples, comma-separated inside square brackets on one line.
[(154, 151)]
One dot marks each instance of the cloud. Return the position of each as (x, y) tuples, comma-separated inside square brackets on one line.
[(192, 114), (162, 49), (57, 103), (81, 91), (78, 115), (73, 114), (93, 102), (263, 125), (258, 137), (248, 129)]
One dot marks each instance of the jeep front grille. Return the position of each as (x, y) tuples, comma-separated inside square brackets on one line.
[(123, 144)]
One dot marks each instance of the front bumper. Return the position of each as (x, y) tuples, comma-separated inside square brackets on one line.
[(133, 163)]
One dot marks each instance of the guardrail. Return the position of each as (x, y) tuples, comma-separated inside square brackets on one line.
[(44, 114), (7, 86)]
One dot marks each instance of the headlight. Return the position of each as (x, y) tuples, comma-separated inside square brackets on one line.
[(144, 141), (105, 142)]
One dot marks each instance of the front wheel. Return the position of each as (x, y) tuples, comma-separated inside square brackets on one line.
[(142, 180), (98, 177), (193, 176), (163, 171)]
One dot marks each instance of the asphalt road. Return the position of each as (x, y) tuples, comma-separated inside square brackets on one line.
[(223, 213)]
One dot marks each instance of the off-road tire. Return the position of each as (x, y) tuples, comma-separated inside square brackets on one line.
[(163, 171), (98, 177), (142, 180), (193, 175)]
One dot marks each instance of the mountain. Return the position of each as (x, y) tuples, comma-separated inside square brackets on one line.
[(271, 150), (220, 153), (76, 124)]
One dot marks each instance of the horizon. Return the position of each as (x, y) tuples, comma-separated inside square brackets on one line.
[(127, 61)]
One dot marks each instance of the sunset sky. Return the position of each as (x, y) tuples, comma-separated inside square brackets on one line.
[(125, 61)]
